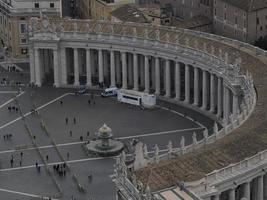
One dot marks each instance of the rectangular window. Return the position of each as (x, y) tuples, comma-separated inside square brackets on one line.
[(52, 5), (23, 28), (23, 41), (24, 51), (36, 5)]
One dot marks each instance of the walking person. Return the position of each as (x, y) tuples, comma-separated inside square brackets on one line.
[(70, 133), (66, 120), (74, 120)]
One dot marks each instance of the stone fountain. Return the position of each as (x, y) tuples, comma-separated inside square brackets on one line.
[(105, 145)]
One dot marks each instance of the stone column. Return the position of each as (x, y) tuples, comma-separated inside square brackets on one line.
[(112, 69), (216, 197), (146, 74), (265, 186), (232, 194), (157, 76), (88, 68), (246, 190), (168, 79), (226, 94), (219, 100), (142, 71), (118, 67), (260, 188), (100, 66), (76, 67), (196, 88), (130, 69), (187, 83), (235, 106), (177, 81), (63, 66), (124, 70), (212, 93), (56, 66), (135, 69), (32, 70), (37, 67), (204, 90)]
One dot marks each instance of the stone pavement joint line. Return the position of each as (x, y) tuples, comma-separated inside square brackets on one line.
[(10, 100), (24, 194), (28, 113)]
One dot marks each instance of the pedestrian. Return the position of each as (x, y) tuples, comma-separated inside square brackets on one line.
[(89, 102), (36, 164), (21, 154), (11, 162), (34, 137), (70, 133), (88, 133), (47, 158), (61, 103), (68, 155), (66, 120), (81, 138), (20, 162), (74, 120), (4, 137)]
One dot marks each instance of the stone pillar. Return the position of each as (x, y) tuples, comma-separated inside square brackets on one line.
[(100, 66), (157, 76), (177, 81), (216, 197), (212, 93), (232, 194), (135, 69), (260, 188), (88, 68), (219, 100), (204, 90), (142, 71), (32, 70), (56, 66), (76, 67), (246, 190), (168, 79), (37, 67), (112, 69), (124, 70), (147, 81), (118, 67), (196, 87), (187, 83), (235, 106), (63, 66), (130, 69), (265, 187), (226, 94)]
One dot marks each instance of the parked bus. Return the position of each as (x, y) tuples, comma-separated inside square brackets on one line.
[(136, 98), (109, 92)]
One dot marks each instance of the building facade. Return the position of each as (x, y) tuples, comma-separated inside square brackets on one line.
[(244, 20), (14, 17)]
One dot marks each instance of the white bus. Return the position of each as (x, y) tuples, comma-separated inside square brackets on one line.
[(136, 98)]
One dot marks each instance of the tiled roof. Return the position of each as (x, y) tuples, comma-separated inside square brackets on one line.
[(248, 5), (129, 13)]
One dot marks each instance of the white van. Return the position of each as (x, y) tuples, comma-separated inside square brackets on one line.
[(109, 92)]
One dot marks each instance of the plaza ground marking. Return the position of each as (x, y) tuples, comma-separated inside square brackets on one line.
[(56, 163), (10, 100), (161, 133), (28, 113), (120, 138), (23, 193)]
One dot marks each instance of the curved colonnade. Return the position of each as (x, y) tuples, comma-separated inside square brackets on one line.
[(160, 60)]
